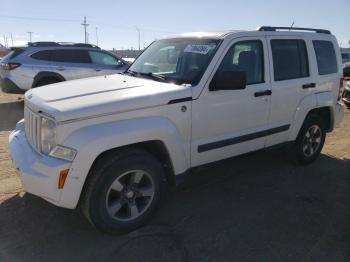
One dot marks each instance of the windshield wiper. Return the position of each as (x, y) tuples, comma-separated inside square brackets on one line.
[(130, 72), (154, 76)]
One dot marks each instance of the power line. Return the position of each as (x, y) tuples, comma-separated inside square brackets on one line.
[(75, 20), (38, 18)]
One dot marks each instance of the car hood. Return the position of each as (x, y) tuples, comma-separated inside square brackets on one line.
[(96, 96)]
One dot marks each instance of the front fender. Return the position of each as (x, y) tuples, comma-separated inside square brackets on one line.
[(91, 141)]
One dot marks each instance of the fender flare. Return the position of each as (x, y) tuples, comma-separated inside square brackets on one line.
[(94, 140), (308, 103), (43, 74)]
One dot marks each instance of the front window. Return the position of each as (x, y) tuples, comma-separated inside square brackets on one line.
[(179, 60), (100, 58)]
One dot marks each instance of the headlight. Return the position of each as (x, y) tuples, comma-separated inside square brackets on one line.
[(47, 135)]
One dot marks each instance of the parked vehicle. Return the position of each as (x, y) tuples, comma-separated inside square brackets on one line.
[(44, 63), (346, 93), (110, 143), (345, 57), (346, 70), (3, 51), (129, 59)]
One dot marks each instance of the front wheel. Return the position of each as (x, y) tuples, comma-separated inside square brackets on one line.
[(310, 140), (123, 191)]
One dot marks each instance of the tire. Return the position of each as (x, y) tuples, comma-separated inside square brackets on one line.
[(310, 140), (112, 202), (47, 81)]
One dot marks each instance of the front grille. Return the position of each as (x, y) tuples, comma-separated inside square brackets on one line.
[(32, 128)]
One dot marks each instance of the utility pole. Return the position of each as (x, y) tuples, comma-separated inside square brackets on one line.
[(30, 36), (143, 38), (96, 36), (138, 36), (11, 39), (85, 25), (5, 41)]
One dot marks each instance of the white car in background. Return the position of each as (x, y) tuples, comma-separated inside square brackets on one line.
[(129, 59)]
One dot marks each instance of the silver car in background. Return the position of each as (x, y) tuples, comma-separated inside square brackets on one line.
[(43, 63)]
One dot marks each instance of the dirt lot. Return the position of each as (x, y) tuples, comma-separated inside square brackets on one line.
[(253, 208)]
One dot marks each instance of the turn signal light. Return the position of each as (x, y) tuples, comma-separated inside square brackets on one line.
[(62, 178)]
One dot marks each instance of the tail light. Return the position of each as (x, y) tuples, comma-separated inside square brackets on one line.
[(341, 88), (10, 66)]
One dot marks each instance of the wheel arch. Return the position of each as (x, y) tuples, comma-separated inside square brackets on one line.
[(319, 104), (47, 74), (155, 135)]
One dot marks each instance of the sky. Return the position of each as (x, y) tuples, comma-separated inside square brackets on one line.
[(117, 22)]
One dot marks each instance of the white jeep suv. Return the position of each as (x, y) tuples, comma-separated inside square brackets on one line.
[(108, 143)]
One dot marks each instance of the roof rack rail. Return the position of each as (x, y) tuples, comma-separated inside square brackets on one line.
[(43, 44), (48, 44), (275, 28)]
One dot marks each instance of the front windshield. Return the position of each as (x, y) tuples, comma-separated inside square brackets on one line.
[(178, 60)]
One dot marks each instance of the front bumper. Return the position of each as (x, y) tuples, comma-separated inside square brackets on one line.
[(8, 86), (39, 174)]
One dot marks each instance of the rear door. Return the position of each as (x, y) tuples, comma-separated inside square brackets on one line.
[(105, 64), (72, 63), (291, 80)]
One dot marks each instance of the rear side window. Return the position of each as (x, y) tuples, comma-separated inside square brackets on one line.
[(70, 56), (42, 55), (289, 59), (325, 56)]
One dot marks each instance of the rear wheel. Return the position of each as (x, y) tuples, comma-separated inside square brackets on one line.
[(310, 140), (123, 191)]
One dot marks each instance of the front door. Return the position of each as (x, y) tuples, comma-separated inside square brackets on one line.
[(226, 123)]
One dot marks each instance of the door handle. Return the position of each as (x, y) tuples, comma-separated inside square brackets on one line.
[(98, 70), (60, 68), (310, 85), (263, 93)]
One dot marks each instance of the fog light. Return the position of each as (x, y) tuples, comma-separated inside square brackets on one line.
[(62, 178), (64, 153)]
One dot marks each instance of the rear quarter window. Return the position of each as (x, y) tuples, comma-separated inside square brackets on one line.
[(325, 56)]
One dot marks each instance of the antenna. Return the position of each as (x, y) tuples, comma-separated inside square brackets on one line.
[(291, 26)]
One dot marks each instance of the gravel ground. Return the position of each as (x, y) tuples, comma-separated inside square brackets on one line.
[(257, 207)]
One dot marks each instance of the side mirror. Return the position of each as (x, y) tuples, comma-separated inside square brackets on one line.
[(346, 71), (229, 80)]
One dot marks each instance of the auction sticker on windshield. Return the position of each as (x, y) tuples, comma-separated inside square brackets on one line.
[(198, 49)]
